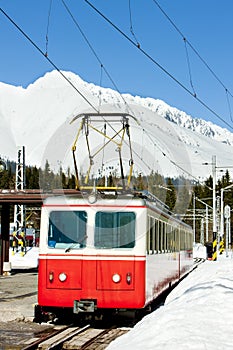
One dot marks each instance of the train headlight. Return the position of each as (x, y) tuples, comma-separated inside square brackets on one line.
[(116, 278), (92, 198), (129, 278), (51, 276), (62, 277)]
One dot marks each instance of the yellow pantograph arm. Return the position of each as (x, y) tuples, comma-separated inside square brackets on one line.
[(78, 133)]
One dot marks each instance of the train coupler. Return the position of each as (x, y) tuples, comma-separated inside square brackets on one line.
[(84, 306)]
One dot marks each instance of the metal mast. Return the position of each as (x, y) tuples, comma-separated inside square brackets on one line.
[(19, 210)]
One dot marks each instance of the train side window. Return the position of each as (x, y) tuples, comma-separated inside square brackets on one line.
[(151, 235), (126, 230), (67, 227), (157, 236), (148, 236), (177, 239), (114, 230), (160, 236), (164, 237), (182, 240), (162, 233), (172, 239), (168, 241)]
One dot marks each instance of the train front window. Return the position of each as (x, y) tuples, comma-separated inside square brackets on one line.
[(114, 230), (67, 229)]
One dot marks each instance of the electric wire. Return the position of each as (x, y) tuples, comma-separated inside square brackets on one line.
[(228, 103), (100, 94), (47, 31), (144, 131), (189, 68), (92, 49), (188, 42), (131, 25), (102, 68), (159, 65), (62, 74), (172, 161), (47, 58), (199, 56), (98, 59)]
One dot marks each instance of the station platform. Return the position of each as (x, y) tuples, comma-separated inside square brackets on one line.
[(18, 295), (24, 261)]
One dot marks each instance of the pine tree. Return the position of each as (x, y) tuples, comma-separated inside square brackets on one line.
[(46, 178), (71, 182), (170, 194)]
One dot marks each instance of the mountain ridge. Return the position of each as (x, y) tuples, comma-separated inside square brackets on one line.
[(174, 115), (39, 117)]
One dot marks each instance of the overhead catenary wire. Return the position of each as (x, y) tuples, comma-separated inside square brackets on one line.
[(189, 68), (100, 94), (47, 58), (228, 103), (131, 24), (199, 56), (102, 67), (76, 89), (99, 61), (52, 63), (159, 65), (47, 31), (194, 50), (92, 49), (172, 161)]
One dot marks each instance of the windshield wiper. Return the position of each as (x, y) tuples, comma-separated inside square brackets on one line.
[(71, 247), (78, 244)]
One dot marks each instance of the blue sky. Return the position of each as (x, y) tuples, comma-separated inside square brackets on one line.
[(207, 25)]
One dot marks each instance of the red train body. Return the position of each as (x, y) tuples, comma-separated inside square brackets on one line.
[(118, 253)]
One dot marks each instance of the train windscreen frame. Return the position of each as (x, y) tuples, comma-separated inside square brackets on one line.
[(114, 229), (67, 228)]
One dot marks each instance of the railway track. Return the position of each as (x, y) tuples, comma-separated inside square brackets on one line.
[(78, 338), (29, 337)]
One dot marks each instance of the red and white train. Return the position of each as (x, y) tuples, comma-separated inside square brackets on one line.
[(107, 253)]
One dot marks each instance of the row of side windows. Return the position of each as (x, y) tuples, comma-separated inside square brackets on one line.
[(162, 237)]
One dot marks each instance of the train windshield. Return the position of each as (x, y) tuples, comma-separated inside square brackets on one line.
[(114, 230), (67, 229)]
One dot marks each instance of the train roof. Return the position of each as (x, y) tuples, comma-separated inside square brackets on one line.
[(123, 198), (94, 199)]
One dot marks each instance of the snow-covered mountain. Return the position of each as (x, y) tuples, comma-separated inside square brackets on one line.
[(164, 139)]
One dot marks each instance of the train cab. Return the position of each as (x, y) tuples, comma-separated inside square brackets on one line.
[(96, 256)]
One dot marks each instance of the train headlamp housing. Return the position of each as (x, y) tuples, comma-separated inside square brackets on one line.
[(62, 277), (116, 278), (51, 276), (128, 278), (92, 198)]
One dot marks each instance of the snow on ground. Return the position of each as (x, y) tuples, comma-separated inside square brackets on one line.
[(198, 314), (27, 261)]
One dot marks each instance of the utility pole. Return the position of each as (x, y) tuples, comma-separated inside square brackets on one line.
[(214, 257), (227, 214), (19, 211), (222, 213), (194, 220), (207, 217), (207, 224), (202, 232)]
